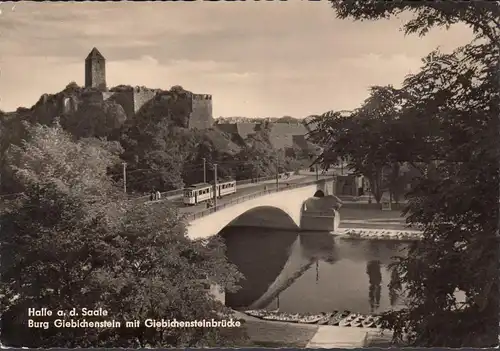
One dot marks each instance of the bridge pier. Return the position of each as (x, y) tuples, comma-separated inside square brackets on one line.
[(320, 213), (326, 187)]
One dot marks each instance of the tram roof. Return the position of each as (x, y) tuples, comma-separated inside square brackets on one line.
[(204, 185), (198, 185)]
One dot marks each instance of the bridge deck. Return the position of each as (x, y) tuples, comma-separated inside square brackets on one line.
[(244, 190)]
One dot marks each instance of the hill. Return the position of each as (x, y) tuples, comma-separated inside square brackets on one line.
[(165, 134)]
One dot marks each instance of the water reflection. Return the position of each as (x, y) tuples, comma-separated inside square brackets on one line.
[(259, 256), (394, 287), (375, 280), (309, 272)]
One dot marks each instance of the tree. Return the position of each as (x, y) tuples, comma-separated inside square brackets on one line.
[(257, 158), (456, 204), (72, 241), (97, 120), (214, 147), (368, 139), (155, 156)]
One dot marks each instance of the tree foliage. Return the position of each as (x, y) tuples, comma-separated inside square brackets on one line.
[(72, 241), (371, 139), (450, 115), (161, 151), (98, 120)]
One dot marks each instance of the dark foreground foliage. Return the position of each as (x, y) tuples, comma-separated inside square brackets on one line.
[(72, 241), (444, 122)]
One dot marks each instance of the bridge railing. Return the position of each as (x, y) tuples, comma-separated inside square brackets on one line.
[(244, 198), (179, 192)]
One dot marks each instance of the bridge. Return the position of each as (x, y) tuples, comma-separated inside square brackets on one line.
[(283, 207)]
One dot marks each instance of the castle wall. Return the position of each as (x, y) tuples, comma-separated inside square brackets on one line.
[(300, 142), (141, 96), (126, 100), (70, 104), (201, 114), (245, 129), (93, 97), (106, 95), (281, 134), (229, 128)]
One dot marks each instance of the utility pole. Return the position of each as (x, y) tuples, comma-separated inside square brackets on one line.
[(204, 170), (124, 177), (277, 172), (317, 175), (215, 186)]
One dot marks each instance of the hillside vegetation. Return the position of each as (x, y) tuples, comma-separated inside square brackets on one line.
[(160, 151)]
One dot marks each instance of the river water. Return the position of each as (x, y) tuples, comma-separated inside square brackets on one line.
[(310, 272)]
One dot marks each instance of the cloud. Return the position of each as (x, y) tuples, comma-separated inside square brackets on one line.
[(255, 58)]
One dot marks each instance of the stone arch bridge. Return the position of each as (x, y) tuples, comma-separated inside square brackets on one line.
[(305, 206)]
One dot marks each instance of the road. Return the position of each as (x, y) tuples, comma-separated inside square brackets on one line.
[(242, 191)]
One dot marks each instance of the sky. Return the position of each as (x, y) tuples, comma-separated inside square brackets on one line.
[(256, 59)]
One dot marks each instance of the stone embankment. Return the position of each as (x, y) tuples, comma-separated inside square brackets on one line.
[(380, 234)]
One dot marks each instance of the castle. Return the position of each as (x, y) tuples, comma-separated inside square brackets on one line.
[(132, 99)]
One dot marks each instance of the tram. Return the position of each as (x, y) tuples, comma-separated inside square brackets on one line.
[(202, 192)]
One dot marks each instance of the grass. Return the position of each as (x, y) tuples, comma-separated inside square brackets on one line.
[(278, 335)]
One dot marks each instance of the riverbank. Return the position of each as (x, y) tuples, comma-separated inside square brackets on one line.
[(379, 234), (274, 334), (270, 334)]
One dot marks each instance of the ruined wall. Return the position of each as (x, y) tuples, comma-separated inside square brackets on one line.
[(106, 95), (126, 100), (69, 104), (201, 114), (229, 128), (141, 96), (299, 141), (281, 134), (93, 97), (245, 129)]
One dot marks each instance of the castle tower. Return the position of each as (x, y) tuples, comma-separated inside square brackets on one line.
[(95, 70)]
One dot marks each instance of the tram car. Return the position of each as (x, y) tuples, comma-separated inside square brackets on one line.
[(201, 192)]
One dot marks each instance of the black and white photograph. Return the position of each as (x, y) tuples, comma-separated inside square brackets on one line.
[(271, 174)]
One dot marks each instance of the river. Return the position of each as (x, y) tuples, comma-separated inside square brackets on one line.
[(310, 272)]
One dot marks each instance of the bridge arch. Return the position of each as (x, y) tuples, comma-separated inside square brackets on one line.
[(286, 205), (268, 217)]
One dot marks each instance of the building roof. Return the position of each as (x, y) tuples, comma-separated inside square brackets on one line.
[(95, 54)]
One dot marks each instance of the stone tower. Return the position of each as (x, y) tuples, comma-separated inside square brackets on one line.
[(95, 70)]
